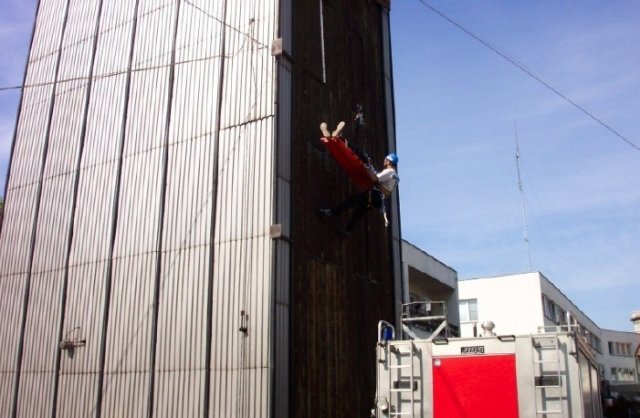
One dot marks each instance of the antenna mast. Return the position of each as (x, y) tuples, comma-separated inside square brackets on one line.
[(525, 227)]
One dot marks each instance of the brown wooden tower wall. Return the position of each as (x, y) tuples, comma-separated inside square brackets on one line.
[(341, 286)]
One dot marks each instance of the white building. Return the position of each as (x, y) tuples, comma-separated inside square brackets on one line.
[(619, 353), (427, 278), (526, 303)]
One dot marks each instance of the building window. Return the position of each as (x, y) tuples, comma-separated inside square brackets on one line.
[(554, 312), (594, 342), (622, 374), (561, 316), (468, 310), (620, 349), (548, 307)]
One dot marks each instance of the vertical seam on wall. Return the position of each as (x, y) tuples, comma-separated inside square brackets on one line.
[(162, 204), (214, 209), (274, 257), (114, 219), (273, 335), (34, 230), (65, 280)]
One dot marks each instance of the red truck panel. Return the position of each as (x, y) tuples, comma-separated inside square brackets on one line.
[(475, 387)]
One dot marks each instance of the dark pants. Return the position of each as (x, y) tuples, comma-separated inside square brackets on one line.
[(361, 203)]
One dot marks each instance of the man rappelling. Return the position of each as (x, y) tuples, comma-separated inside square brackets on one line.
[(377, 186)]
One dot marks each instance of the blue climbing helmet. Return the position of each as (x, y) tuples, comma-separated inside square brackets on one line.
[(393, 158)]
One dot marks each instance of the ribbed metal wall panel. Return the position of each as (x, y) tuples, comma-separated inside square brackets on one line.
[(241, 377), (180, 371), (27, 154), (193, 163), (47, 253), (93, 216), (14, 252), (16, 229), (78, 374), (128, 334), (182, 334), (127, 376), (93, 223), (41, 344), (11, 294), (249, 67), (242, 274), (48, 30)]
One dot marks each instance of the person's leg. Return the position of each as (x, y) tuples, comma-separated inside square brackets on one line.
[(357, 214), (377, 199), (367, 200), (350, 202), (370, 199)]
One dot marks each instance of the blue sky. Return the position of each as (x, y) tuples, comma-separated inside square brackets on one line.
[(458, 107)]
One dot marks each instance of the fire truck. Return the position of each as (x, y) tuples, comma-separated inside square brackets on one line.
[(551, 373)]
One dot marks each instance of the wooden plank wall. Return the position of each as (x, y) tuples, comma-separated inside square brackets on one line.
[(341, 287)]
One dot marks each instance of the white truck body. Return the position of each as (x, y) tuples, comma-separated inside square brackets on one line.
[(549, 374)]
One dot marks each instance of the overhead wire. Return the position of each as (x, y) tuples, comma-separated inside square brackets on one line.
[(424, 3), (530, 73)]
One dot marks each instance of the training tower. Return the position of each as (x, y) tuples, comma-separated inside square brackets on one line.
[(160, 255)]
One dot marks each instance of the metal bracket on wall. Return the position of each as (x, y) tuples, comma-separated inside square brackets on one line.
[(278, 50), (70, 343), (275, 232), (276, 47), (244, 319)]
